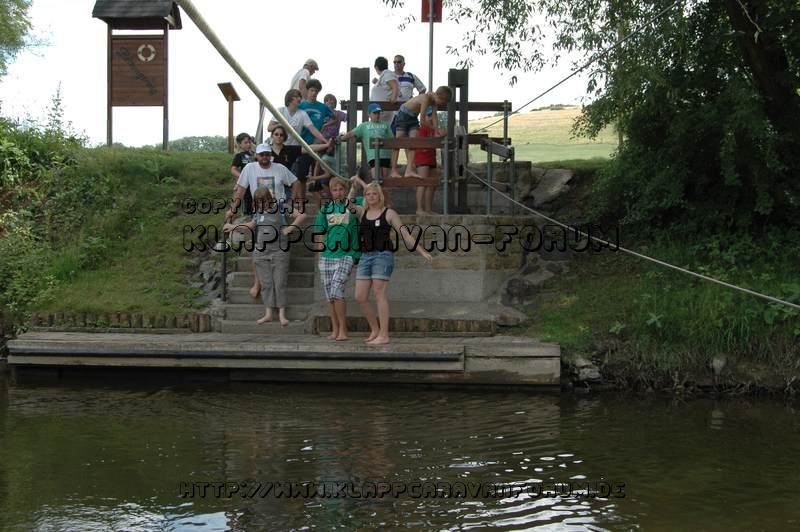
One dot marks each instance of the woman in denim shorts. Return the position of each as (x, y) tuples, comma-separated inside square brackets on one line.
[(378, 229)]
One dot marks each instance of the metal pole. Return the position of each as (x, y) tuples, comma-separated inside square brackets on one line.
[(505, 122), (430, 45), (489, 180), (513, 179), (445, 173), (165, 140), (109, 124), (230, 124)]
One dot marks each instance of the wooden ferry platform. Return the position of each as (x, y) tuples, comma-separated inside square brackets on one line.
[(481, 360)]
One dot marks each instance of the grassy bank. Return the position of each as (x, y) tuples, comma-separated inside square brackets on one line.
[(649, 327), (100, 230)]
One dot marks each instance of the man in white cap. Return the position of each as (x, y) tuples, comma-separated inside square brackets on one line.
[(300, 79), (263, 173)]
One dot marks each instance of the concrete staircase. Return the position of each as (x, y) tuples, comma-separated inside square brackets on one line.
[(242, 311), (451, 297)]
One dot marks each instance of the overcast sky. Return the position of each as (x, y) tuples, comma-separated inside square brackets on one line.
[(271, 42)]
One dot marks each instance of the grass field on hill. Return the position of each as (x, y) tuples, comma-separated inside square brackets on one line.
[(545, 135)]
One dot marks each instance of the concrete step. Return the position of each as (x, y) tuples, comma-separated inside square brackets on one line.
[(296, 295), (255, 311), (429, 318), (305, 263), (415, 327), (297, 250), (296, 279), (296, 327)]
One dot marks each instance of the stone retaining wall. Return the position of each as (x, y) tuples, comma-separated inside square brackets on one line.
[(197, 322)]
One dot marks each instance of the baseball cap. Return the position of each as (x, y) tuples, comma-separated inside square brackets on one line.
[(374, 108), (312, 63), (263, 147), (429, 111)]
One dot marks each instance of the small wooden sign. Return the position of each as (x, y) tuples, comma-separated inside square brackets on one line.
[(138, 73)]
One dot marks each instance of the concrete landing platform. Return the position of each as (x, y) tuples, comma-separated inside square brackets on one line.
[(498, 360)]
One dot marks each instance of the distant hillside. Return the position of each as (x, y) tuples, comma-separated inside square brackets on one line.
[(545, 135)]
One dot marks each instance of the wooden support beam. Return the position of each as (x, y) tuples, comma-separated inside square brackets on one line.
[(497, 149), (492, 107), (401, 182), (408, 142)]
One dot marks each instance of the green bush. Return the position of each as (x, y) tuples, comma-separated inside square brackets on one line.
[(25, 280)]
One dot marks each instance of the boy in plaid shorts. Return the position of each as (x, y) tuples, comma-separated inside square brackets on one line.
[(338, 255)]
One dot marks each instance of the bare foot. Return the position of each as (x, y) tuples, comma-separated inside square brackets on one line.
[(395, 173), (331, 336), (421, 213), (431, 213), (379, 340), (265, 319), (371, 337), (254, 291), (341, 338), (412, 174), (284, 322)]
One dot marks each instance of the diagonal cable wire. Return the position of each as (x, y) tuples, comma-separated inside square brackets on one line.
[(631, 252), (215, 41)]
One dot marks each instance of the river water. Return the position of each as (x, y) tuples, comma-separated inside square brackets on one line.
[(128, 458)]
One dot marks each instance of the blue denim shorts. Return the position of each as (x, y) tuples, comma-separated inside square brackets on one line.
[(405, 121), (375, 265)]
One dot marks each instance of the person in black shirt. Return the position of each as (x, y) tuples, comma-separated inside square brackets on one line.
[(240, 160), (378, 228)]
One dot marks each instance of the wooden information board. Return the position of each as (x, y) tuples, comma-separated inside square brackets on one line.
[(138, 70)]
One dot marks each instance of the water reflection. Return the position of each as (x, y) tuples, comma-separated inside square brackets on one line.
[(111, 458)]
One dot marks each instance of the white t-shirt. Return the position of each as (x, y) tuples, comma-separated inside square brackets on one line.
[(382, 92), (298, 121), (408, 82), (303, 73), (274, 178)]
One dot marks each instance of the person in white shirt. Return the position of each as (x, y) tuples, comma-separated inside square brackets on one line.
[(407, 81), (300, 79), (263, 173), (385, 87)]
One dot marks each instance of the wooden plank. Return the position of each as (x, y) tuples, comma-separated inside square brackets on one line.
[(497, 149), (471, 106), (476, 138), (402, 182), (489, 106), (408, 142)]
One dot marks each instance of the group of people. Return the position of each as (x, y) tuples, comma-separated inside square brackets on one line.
[(349, 234), (355, 233)]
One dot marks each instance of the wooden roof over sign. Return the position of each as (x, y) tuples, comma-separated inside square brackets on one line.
[(138, 14)]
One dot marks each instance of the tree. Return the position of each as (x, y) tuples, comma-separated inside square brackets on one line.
[(705, 93), (14, 26)]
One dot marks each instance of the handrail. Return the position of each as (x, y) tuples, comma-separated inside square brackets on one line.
[(471, 106)]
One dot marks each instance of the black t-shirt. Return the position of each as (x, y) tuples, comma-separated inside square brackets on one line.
[(287, 156), (375, 235), (241, 159)]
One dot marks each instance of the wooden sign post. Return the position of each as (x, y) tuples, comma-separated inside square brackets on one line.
[(137, 63), (230, 95)]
